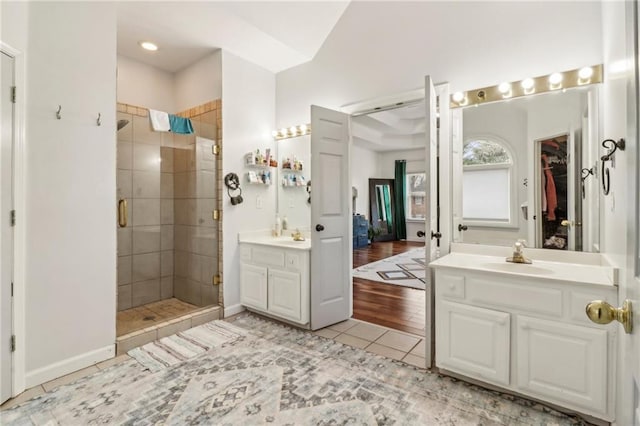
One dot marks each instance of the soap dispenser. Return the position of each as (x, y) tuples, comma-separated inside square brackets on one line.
[(285, 223), (278, 226)]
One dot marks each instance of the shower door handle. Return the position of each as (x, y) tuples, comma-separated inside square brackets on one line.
[(122, 213)]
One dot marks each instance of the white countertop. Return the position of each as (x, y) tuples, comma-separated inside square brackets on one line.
[(264, 238), (540, 269)]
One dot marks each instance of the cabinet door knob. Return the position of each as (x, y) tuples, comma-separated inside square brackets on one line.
[(462, 227), (436, 235), (602, 312), (319, 228), (420, 234)]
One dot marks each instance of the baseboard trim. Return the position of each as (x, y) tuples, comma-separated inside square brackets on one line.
[(232, 310), (69, 365)]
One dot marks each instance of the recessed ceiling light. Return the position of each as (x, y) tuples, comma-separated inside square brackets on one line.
[(147, 45)]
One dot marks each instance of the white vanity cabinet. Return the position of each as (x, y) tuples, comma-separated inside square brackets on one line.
[(275, 281), (528, 335)]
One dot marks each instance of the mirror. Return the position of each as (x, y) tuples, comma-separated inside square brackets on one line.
[(381, 209), (294, 172), (527, 156)]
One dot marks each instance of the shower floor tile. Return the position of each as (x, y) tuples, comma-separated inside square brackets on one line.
[(151, 314)]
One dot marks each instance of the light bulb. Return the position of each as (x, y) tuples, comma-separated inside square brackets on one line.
[(527, 83), (585, 73), (303, 128), (292, 129), (283, 131), (274, 133), (147, 45), (458, 97), (504, 88), (555, 78)]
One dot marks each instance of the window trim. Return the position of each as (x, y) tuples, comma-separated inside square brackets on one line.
[(407, 195), (514, 220)]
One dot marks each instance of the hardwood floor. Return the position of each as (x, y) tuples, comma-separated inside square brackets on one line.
[(393, 306)]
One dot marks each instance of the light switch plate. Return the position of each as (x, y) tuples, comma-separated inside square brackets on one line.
[(258, 202)]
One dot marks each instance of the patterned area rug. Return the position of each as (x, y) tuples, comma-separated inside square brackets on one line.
[(406, 269), (274, 374)]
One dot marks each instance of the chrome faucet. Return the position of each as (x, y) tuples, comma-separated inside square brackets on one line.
[(518, 256)]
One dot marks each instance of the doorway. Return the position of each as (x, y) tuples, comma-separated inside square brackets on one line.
[(389, 272), (6, 228)]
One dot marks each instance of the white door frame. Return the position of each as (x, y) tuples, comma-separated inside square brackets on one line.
[(19, 314)]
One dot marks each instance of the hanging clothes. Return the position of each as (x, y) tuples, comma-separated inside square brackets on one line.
[(549, 189)]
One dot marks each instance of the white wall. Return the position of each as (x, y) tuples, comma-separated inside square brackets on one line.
[(364, 165), (248, 118), (468, 44), (145, 86), (199, 83), (70, 188), (292, 200)]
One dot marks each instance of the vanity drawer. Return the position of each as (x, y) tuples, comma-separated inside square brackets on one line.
[(450, 286), (269, 257), (507, 294)]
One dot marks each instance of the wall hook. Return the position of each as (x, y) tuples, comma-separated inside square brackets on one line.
[(99, 120), (585, 174), (612, 146), (58, 115)]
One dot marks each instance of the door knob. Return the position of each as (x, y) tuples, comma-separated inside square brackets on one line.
[(462, 227), (319, 228), (420, 234), (566, 223), (602, 312), (436, 235)]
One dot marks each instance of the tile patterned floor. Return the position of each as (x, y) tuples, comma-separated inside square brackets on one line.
[(406, 347), (135, 319)]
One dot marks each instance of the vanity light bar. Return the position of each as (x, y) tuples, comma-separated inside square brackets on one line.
[(292, 132), (528, 86)]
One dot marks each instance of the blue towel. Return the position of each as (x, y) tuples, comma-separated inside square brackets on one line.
[(180, 124)]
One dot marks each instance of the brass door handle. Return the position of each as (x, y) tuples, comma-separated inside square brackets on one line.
[(602, 312), (122, 213)]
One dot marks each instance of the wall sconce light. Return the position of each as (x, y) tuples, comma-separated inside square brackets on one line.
[(555, 81), (292, 132)]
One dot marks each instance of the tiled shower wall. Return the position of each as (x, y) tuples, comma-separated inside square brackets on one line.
[(169, 247)]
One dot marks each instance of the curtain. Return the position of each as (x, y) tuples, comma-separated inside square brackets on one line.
[(400, 195)]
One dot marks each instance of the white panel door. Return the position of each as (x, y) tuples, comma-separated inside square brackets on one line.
[(456, 174), (562, 363), (473, 341), (284, 294), (6, 230), (253, 286), (331, 292), (431, 131)]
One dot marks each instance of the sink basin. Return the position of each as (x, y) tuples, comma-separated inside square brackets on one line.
[(519, 268)]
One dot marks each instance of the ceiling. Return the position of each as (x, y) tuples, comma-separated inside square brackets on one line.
[(391, 130), (274, 35)]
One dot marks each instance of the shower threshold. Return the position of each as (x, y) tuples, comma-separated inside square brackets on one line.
[(143, 324)]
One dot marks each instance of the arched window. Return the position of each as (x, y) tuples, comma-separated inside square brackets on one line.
[(488, 195)]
